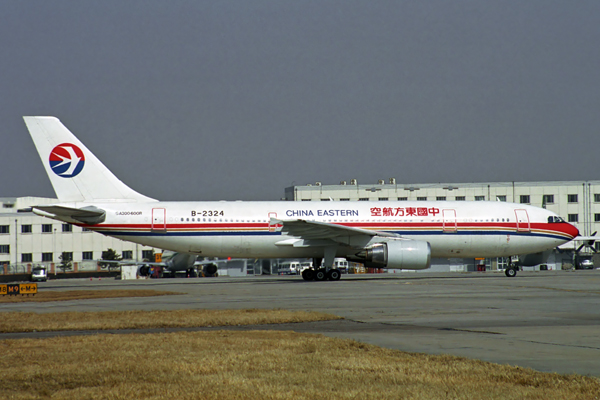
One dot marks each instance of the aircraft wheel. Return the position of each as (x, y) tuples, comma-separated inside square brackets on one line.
[(510, 272), (320, 275), (308, 275), (334, 274)]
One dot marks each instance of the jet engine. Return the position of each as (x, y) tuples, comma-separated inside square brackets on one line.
[(209, 269), (401, 254)]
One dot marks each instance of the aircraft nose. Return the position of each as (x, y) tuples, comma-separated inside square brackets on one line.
[(572, 231)]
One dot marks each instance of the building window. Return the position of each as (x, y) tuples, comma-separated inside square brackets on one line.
[(127, 255), (573, 217), (402, 198), (306, 199), (148, 255), (67, 228), (344, 199), (440, 198), (47, 228), (383, 199), (596, 199), (421, 198), (548, 199), (25, 228), (460, 198), (86, 230), (479, 198), (4, 249), (87, 255), (502, 262), (324, 199), (26, 257), (363, 199), (596, 217), (572, 198), (47, 257), (4, 229), (501, 198), (524, 199)]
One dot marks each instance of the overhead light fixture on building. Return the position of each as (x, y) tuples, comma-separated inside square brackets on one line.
[(373, 189), (450, 187), (412, 188)]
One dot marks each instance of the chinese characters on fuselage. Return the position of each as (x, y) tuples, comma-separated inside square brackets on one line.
[(404, 211)]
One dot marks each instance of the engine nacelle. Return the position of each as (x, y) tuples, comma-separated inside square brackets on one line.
[(401, 254), (209, 269)]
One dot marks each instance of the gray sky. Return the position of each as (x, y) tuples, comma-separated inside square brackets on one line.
[(211, 100)]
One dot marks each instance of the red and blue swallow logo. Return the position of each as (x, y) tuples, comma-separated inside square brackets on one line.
[(66, 160)]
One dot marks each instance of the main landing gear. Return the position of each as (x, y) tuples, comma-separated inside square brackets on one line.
[(321, 274), (511, 271)]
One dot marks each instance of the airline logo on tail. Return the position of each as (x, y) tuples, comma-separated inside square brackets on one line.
[(66, 160)]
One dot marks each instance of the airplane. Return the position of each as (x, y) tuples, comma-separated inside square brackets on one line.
[(171, 263), (400, 235)]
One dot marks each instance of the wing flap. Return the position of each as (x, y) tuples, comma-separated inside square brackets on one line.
[(314, 230)]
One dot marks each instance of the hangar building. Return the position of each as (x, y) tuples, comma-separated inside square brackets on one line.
[(27, 239)]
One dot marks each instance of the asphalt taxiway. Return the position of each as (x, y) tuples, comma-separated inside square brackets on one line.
[(548, 321)]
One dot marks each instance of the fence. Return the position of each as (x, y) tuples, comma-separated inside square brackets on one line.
[(52, 268)]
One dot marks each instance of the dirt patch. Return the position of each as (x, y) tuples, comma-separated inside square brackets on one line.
[(43, 296), (65, 321)]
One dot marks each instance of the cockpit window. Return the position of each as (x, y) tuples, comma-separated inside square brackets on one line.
[(555, 219)]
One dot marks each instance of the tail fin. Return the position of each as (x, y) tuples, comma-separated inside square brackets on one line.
[(75, 173)]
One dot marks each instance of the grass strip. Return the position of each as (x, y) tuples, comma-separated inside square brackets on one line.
[(67, 321), (259, 365), (45, 296)]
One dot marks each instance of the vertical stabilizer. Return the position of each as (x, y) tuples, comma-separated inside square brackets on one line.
[(75, 173)]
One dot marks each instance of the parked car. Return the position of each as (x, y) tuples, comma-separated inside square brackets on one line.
[(586, 263), (39, 274)]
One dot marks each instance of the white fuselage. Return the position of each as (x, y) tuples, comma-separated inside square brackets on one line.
[(250, 229)]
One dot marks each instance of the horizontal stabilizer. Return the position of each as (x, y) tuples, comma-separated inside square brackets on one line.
[(88, 215)]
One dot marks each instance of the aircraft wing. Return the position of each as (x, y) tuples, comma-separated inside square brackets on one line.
[(586, 239), (313, 230), (216, 261)]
